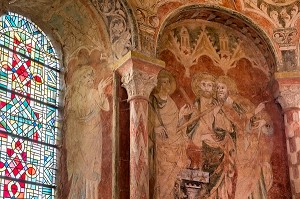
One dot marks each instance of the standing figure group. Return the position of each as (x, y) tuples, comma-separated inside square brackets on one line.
[(219, 133)]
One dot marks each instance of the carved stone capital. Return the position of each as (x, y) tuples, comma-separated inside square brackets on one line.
[(138, 84), (138, 74), (288, 90), (289, 96)]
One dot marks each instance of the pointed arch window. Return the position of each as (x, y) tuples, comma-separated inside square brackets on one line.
[(29, 108)]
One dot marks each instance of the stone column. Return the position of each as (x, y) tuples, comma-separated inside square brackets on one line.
[(289, 99), (139, 77)]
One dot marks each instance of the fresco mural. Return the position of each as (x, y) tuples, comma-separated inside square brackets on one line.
[(119, 26), (205, 147), (283, 14), (167, 143), (87, 106), (213, 119), (211, 128), (223, 49), (86, 119)]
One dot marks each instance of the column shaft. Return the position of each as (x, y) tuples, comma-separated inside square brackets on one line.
[(289, 99), (139, 168), (139, 77), (292, 130)]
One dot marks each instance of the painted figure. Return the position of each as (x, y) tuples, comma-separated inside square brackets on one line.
[(255, 176), (246, 128), (85, 131), (168, 143), (219, 148), (199, 117), (213, 135)]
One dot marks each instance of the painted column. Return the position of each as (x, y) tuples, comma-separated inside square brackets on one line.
[(289, 99), (139, 77)]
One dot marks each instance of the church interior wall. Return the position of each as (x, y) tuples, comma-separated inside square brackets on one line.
[(254, 43)]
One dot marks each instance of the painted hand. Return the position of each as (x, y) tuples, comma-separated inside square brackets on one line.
[(185, 110), (260, 107), (161, 132), (103, 84)]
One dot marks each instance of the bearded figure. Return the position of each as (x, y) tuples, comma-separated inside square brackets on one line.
[(84, 129)]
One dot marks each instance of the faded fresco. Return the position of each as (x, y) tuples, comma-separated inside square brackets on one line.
[(223, 49), (215, 129), (211, 129), (214, 147), (282, 13), (119, 26), (86, 119), (87, 106)]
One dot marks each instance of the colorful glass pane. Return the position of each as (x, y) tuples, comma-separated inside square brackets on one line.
[(29, 100)]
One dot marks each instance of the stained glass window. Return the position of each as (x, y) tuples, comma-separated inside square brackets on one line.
[(29, 89)]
